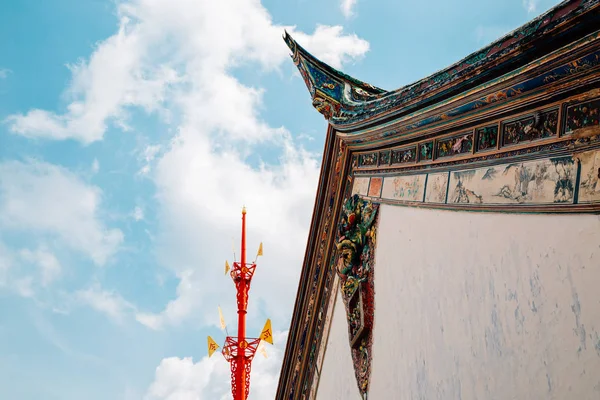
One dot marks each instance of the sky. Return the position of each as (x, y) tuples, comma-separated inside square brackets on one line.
[(132, 132)]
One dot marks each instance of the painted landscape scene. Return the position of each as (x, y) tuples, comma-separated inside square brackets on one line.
[(534, 182), (406, 188)]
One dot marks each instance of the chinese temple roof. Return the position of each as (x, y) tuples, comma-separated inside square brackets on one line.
[(350, 104)]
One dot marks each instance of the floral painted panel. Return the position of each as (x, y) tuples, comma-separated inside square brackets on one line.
[(360, 186), (455, 145), (426, 151), (583, 115), (404, 188), (437, 187), (535, 182), (367, 160), (487, 138), (375, 187), (589, 185), (402, 156), (533, 127)]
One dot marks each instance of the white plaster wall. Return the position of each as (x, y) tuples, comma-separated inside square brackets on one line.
[(478, 306), (337, 374)]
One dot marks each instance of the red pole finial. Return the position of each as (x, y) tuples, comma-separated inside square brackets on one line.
[(242, 309)]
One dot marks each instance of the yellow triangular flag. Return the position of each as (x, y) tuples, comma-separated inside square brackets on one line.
[(260, 250), (261, 349), (226, 267), (221, 319), (267, 333), (212, 346)]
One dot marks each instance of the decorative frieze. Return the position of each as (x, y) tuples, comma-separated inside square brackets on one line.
[(385, 157), (426, 151), (583, 115), (403, 156), (455, 145), (367, 160), (486, 138), (537, 126), (540, 125)]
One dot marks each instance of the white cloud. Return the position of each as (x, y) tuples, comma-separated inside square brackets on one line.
[(165, 48), (209, 378), (147, 156), (50, 268), (200, 213), (4, 73), (188, 292), (45, 199), (24, 286), (177, 56), (95, 166), (530, 5), (6, 263), (113, 78), (347, 7), (106, 302), (331, 45), (167, 55), (137, 213)]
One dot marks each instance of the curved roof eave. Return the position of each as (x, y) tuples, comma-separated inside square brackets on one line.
[(349, 103)]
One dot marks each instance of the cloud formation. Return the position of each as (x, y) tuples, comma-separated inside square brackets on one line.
[(52, 202), (530, 5), (171, 51), (177, 59), (107, 302), (209, 378), (347, 7)]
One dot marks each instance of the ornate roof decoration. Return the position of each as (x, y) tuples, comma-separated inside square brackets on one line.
[(349, 104), (331, 90)]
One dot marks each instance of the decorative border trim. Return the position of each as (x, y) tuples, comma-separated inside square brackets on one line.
[(566, 112)]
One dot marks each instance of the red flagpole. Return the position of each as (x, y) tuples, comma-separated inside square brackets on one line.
[(239, 351)]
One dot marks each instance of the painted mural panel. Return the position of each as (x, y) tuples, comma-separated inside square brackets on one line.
[(437, 187), (404, 188), (361, 186), (375, 187), (535, 182), (589, 186)]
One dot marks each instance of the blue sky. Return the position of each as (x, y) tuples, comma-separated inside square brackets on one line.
[(131, 134)]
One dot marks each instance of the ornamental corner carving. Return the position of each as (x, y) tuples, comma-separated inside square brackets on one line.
[(356, 254), (326, 106)]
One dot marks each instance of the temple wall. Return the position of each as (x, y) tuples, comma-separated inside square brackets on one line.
[(337, 375), (478, 306)]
